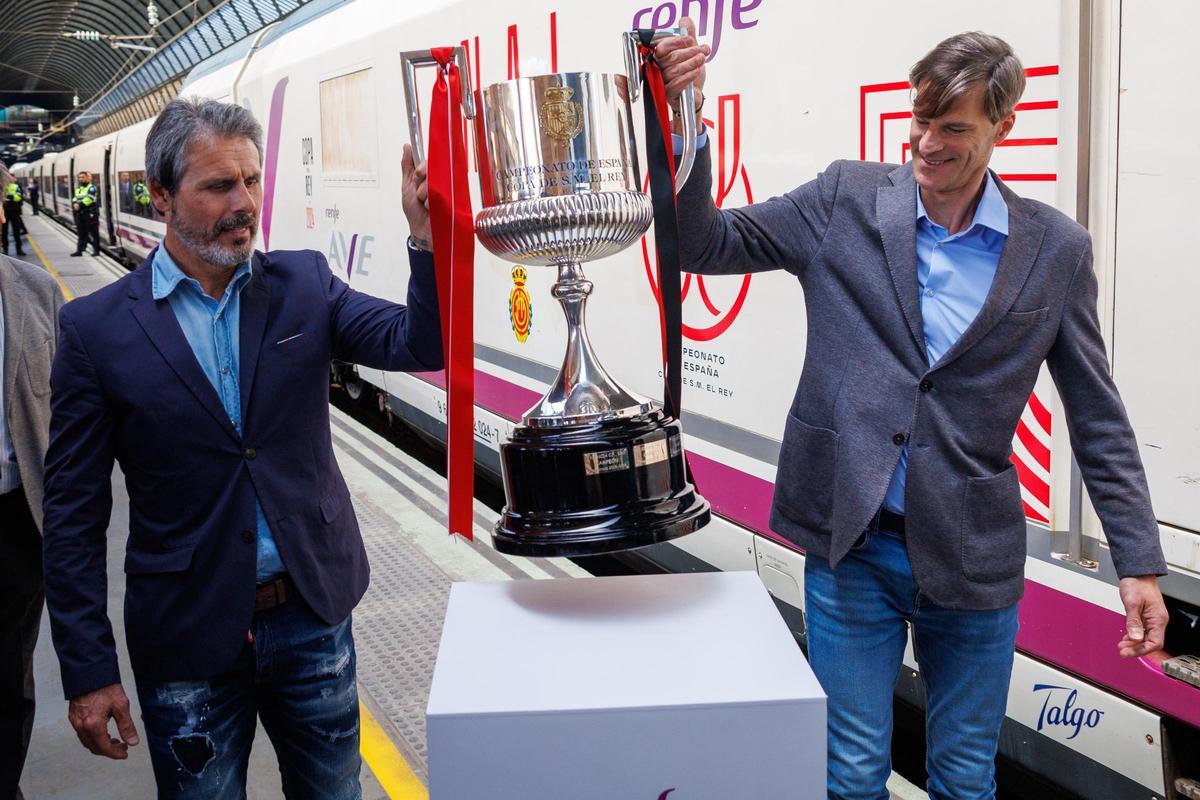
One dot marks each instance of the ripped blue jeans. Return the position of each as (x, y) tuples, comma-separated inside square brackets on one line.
[(298, 676)]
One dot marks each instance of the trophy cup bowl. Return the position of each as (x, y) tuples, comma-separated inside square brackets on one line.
[(593, 467)]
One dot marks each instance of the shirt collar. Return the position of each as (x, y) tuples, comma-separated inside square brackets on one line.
[(992, 211), (166, 275)]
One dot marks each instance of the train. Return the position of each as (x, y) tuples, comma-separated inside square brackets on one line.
[(1101, 134)]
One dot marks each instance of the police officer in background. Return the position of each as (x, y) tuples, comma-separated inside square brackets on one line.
[(87, 215), (34, 193), (12, 215)]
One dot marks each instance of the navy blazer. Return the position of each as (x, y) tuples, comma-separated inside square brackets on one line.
[(126, 386)]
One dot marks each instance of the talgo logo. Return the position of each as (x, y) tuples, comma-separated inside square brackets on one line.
[(718, 302), (1059, 710)]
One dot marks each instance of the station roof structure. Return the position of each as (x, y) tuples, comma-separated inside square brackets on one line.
[(102, 64)]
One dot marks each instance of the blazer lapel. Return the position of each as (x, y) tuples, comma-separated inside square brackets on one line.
[(896, 209), (16, 300), (157, 319), (255, 301), (1016, 260)]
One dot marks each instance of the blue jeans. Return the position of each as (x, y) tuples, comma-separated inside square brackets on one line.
[(857, 624), (298, 676)]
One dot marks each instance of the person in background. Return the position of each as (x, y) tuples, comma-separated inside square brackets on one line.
[(12, 214), (34, 193), (86, 205), (29, 304)]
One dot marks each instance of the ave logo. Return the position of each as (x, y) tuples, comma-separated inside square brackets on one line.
[(710, 305)]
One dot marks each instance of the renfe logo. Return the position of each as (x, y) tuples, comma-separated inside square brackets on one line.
[(1063, 713), (709, 16)]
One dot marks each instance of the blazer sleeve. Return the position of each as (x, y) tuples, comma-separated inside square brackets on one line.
[(382, 334), (780, 233), (76, 509), (1101, 436)]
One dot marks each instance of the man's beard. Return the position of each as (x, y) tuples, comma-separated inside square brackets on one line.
[(206, 243)]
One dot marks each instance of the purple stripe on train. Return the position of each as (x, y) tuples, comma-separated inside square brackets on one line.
[(1056, 627), (274, 124)]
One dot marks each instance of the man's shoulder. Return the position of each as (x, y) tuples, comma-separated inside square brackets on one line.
[(102, 304), (33, 278), (855, 177), (286, 263), (1060, 227)]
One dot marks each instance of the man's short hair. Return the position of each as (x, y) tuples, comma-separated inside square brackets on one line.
[(186, 120), (960, 63)]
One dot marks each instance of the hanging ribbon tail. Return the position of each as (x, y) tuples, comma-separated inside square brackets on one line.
[(452, 224), (660, 156)]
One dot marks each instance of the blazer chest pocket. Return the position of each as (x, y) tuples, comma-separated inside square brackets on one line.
[(37, 368), (993, 528), (807, 468)]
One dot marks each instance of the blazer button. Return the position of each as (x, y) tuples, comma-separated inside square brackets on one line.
[(899, 438), (247, 536), (249, 453), (925, 385)]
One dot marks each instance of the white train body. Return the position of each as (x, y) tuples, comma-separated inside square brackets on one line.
[(791, 87)]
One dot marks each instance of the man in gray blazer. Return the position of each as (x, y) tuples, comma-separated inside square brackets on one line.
[(933, 296), (29, 303)]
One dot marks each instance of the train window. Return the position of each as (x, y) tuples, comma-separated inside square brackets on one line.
[(63, 187), (348, 131), (135, 194)]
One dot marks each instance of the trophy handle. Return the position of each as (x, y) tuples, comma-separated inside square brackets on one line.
[(633, 77), (410, 60)]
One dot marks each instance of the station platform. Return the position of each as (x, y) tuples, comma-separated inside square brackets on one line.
[(400, 506)]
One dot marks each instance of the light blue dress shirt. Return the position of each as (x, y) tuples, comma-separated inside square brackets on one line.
[(10, 477), (211, 329), (954, 274)]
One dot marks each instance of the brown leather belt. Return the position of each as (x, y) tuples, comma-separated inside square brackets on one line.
[(273, 593)]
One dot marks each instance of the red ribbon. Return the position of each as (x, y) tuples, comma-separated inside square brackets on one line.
[(453, 229)]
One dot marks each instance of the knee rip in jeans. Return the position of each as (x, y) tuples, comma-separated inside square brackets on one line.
[(193, 751), (336, 666), (333, 736)]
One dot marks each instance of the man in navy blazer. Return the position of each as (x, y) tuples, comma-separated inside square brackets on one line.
[(204, 374)]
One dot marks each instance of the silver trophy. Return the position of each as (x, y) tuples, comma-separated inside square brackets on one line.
[(593, 467)]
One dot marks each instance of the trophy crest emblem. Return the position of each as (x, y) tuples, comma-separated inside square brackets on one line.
[(561, 117), (520, 308)]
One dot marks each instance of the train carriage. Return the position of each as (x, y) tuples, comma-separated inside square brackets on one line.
[(791, 87)]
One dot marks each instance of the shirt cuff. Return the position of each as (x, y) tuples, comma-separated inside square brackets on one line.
[(701, 140)]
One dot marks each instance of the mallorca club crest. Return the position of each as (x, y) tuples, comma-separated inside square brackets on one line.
[(520, 309), (562, 117)]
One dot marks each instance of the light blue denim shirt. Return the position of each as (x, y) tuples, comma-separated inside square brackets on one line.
[(954, 274), (10, 477), (211, 329)]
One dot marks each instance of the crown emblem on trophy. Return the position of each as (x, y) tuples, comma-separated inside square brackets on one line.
[(561, 117)]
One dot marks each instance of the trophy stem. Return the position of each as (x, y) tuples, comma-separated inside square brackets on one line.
[(583, 393)]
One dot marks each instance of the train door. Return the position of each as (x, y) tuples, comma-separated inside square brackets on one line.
[(54, 189), (108, 195)]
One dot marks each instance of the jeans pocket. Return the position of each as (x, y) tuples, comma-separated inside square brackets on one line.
[(993, 528)]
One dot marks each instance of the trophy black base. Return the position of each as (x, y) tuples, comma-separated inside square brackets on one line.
[(591, 489)]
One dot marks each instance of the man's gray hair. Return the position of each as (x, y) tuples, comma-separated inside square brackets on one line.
[(185, 120), (959, 64)]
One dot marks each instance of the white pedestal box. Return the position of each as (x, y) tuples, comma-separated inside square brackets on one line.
[(648, 687)]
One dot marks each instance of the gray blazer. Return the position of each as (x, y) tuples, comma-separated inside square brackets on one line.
[(867, 387), (31, 303)]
